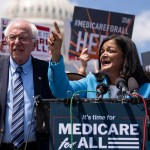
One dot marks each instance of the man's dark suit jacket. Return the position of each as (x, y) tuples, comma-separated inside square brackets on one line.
[(41, 87)]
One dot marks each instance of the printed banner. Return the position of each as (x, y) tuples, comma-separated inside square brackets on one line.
[(90, 26), (105, 126), (41, 50)]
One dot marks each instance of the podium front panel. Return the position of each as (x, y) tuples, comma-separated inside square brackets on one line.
[(97, 126)]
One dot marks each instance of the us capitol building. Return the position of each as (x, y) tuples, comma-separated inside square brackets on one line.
[(39, 11)]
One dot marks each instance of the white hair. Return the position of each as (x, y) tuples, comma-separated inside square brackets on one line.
[(32, 26)]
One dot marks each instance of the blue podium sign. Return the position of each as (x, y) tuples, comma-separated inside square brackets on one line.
[(97, 126)]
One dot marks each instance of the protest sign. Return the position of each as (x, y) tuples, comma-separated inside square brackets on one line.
[(101, 128), (90, 26)]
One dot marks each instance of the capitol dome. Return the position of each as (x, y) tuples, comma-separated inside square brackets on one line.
[(39, 11)]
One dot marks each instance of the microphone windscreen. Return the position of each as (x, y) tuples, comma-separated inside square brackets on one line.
[(102, 87), (132, 84)]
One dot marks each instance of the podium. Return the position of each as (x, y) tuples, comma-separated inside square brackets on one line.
[(97, 125)]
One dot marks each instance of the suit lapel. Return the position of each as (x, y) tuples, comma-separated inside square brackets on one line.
[(4, 78), (37, 76)]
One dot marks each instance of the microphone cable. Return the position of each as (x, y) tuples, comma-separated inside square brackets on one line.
[(133, 86), (71, 122), (145, 119)]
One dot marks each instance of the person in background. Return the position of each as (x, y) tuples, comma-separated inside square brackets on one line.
[(84, 58), (81, 71), (22, 77)]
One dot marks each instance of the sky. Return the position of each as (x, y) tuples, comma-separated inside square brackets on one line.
[(139, 8)]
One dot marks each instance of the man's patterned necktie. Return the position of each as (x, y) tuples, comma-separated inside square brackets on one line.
[(17, 130)]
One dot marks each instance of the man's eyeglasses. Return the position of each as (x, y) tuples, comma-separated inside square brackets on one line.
[(23, 39)]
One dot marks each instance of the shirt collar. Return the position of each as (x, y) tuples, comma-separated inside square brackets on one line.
[(13, 65)]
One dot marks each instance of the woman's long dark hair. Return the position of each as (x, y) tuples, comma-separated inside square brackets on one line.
[(132, 66)]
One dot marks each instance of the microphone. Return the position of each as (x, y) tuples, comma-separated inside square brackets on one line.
[(123, 89), (101, 89), (133, 85), (42, 116), (133, 88)]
